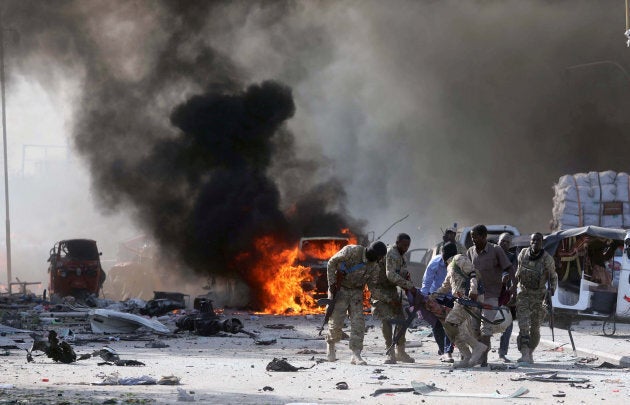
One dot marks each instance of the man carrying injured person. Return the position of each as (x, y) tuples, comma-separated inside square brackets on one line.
[(461, 281), (349, 270)]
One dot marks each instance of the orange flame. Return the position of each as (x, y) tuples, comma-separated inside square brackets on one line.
[(281, 280)]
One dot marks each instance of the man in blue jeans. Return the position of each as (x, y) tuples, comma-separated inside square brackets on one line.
[(433, 278)]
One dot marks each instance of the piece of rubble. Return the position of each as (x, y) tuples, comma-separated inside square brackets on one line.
[(283, 365), (341, 385), (549, 376), (108, 321), (432, 390), (168, 380), (59, 351), (183, 396), (279, 326)]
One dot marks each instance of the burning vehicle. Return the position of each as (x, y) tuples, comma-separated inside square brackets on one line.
[(75, 269), (314, 252)]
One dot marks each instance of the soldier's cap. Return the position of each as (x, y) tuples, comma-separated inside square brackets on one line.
[(505, 236), (449, 250), (450, 229)]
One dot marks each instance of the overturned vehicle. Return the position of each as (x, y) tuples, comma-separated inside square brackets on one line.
[(593, 266), (75, 270)]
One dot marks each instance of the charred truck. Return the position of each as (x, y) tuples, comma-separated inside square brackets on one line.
[(75, 269)]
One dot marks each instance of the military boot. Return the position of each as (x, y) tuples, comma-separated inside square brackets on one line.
[(484, 357), (526, 355), (357, 359), (465, 355), (391, 358), (478, 350), (401, 355), (331, 353), (530, 358)]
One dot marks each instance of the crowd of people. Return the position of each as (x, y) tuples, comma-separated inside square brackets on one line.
[(479, 283)]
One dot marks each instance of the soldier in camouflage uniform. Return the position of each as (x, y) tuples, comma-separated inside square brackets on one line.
[(535, 268), (387, 300), (349, 270), (461, 281)]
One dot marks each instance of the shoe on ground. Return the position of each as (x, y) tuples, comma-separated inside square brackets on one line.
[(504, 359), (447, 358)]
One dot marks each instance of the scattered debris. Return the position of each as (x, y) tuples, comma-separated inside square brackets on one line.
[(157, 344), (283, 365), (206, 322), (266, 342), (502, 367), (267, 388), (183, 396), (107, 354), (108, 321), (391, 391), (342, 385), (582, 386), (168, 380), (58, 351), (549, 376), (114, 379), (559, 394), (279, 326), (585, 360), (308, 351), (432, 390), (606, 364), (122, 363)]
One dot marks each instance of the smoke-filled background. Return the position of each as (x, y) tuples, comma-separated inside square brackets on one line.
[(208, 124)]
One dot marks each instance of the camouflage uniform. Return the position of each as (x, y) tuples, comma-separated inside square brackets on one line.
[(532, 276), (386, 298), (461, 281), (355, 271)]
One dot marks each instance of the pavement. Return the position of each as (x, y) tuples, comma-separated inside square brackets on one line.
[(233, 369), (590, 341)]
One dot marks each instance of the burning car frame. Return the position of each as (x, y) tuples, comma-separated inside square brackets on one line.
[(314, 252)]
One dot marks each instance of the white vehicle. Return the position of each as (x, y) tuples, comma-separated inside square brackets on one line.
[(593, 266)]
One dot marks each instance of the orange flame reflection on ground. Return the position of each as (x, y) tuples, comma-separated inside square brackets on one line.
[(281, 279)]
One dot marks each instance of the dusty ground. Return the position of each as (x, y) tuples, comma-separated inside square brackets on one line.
[(231, 370)]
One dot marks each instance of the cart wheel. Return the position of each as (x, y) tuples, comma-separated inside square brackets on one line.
[(609, 327)]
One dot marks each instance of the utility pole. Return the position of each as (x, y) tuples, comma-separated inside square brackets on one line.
[(6, 167)]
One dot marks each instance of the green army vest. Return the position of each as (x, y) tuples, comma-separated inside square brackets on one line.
[(531, 272)]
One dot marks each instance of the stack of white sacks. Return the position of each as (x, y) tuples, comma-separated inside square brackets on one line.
[(579, 200)]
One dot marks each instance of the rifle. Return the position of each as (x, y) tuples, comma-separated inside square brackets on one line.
[(469, 303), (549, 304), (330, 303), (400, 329)]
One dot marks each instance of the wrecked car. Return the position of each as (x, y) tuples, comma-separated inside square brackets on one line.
[(314, 252), (75, 269)]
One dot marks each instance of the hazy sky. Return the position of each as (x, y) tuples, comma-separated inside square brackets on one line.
[(448, 111)]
